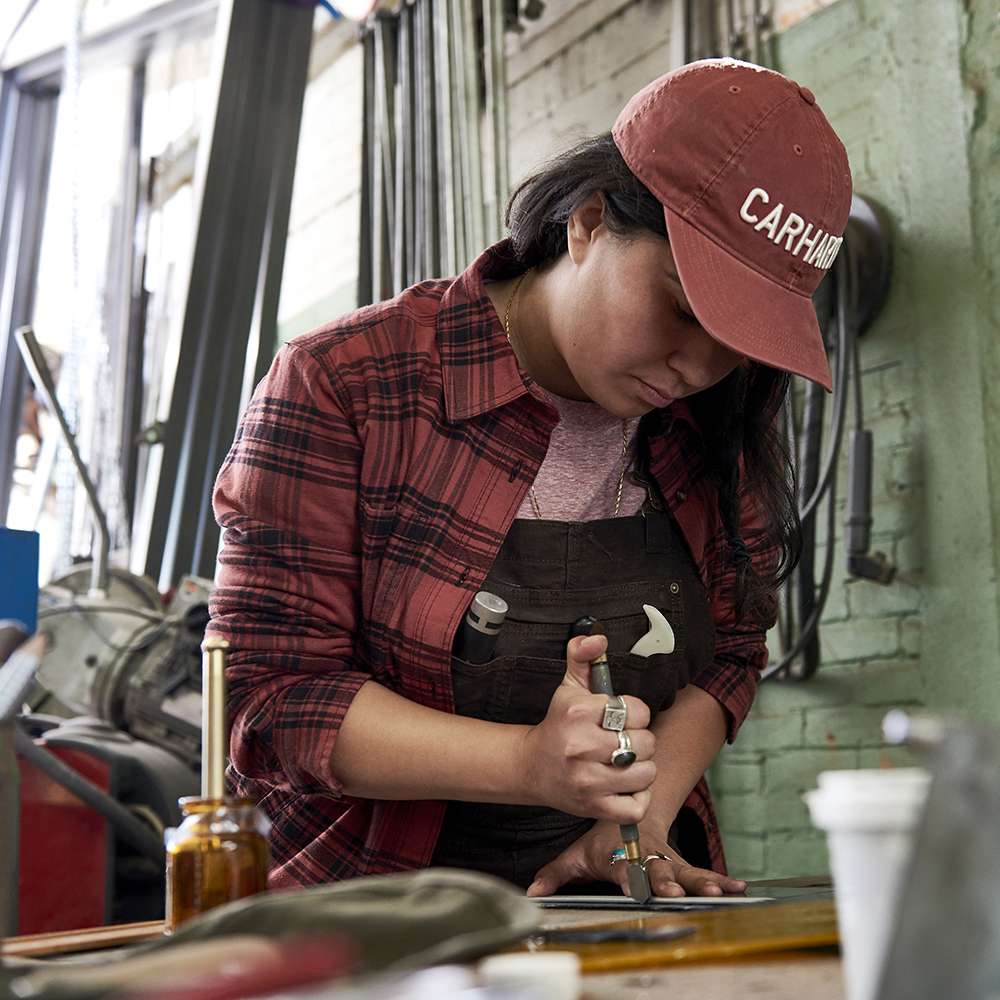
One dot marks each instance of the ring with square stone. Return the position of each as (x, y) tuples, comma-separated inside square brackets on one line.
[(615, 714)]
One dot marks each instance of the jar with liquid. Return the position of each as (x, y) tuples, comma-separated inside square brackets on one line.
[(218, 854)]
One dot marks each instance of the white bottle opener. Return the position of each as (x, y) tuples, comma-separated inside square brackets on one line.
[(659, 638)]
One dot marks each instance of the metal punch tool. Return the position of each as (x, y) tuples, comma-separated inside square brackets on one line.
[(600, 683)]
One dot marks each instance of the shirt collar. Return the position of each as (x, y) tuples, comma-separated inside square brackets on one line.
[(479, 367)]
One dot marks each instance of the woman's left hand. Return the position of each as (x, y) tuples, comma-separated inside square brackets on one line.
[(588, 860)]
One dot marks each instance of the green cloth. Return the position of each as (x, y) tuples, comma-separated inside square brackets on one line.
[(397, 921)]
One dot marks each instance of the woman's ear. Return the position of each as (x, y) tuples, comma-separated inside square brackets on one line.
[(584, 225)]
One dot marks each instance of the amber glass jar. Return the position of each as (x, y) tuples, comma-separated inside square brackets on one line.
[(219, 853)]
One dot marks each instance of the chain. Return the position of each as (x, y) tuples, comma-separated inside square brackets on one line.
[(531, 489)]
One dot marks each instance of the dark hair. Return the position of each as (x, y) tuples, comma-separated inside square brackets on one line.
[(737, 416)]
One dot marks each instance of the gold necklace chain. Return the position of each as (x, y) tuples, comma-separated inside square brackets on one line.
[(531, 489)]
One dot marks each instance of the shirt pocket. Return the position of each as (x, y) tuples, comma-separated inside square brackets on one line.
[(395, 540)]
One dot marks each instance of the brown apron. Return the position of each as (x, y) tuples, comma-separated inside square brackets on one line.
[(551, 573)]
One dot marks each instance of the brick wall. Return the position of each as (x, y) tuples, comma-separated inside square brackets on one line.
[(897, 102)]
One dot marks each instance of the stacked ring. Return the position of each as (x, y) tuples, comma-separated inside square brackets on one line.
[(624, 755), (615, 714), (657, 856)]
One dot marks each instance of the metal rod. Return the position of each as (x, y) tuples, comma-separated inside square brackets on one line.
[(213, 718), (366, 274), (600, 683), (472, 189), (445, 139), (403, 165), (430, 231), (495, 64), (124, 823), (382, 171), (421, 72), (38, 367), (407, 139)]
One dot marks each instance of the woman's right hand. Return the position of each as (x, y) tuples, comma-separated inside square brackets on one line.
[(566, 758)]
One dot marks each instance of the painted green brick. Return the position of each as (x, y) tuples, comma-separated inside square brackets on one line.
[(794, 771), (883, 682), (802, 853), (836, 609), (745, 813), (745, 856), (786, 811), (909, 558), (890, 757), (771, 732), (732, 777), (858, 639), (874, 600), (826, 28), (827, 687), (903, 470), (893, 388), (910, 629), (836, 727)]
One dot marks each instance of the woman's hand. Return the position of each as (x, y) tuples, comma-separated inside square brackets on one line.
[(588, 860), (565, 759)]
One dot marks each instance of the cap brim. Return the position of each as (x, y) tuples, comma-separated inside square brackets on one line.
[(744, 310)]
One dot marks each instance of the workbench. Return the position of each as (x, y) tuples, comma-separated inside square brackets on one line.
[(774, 950), (785, 975)]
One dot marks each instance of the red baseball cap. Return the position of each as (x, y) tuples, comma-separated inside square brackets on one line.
[(756, 190)]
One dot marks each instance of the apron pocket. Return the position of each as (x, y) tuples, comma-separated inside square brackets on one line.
[(653, 679), (534, 680), (518, 689), (481, 689)]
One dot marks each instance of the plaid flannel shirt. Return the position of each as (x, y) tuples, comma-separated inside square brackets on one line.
[(372, 481)]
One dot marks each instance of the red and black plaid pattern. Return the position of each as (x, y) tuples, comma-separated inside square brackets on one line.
[(372, 481)]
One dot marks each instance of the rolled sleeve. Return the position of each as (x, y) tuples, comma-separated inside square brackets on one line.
[(740, 645), (732, 676), (288, 579)]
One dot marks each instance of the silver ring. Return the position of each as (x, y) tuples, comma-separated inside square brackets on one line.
[(624, 755), (618, 854), (615, 714), (657, 856)]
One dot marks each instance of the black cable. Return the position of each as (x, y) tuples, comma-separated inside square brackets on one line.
[(161, 623), (840, 389), (812, 622), (118, 609), (847, 358), (131, 830)]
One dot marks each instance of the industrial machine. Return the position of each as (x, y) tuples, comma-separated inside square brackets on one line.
[(109, 710)]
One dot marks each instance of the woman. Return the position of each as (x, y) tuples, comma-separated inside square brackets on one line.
[(581, 423)]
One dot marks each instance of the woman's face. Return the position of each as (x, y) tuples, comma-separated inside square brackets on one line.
[(626, 331)]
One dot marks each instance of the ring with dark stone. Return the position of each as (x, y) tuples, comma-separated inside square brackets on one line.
[(624, 755)]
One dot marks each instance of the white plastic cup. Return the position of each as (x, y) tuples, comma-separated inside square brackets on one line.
[(548, 975), (870, 818)]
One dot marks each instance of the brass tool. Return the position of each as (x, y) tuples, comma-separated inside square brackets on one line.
[(219, 853), (600, 683)]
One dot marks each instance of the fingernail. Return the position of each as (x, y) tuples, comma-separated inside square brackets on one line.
[(533, 889)]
